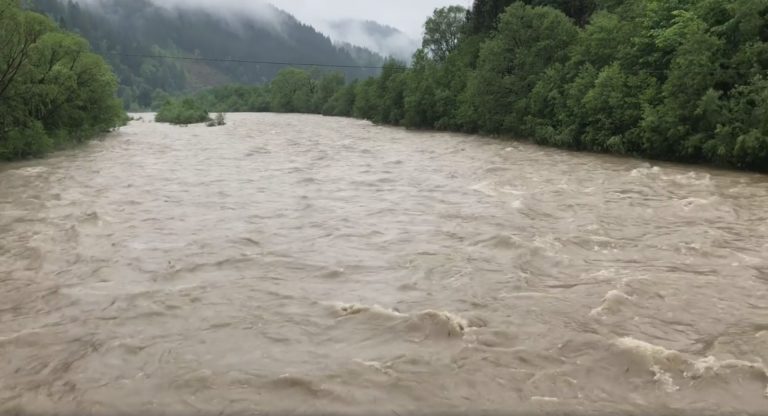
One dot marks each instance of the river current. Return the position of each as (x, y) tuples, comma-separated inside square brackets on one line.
[(305, 263)]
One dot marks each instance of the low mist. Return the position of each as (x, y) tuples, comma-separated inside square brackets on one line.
[(385, 40), (339, 21), (257, 10)]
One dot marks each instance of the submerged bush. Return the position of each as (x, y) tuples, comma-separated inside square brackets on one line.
[(218, 120), (183, 111)]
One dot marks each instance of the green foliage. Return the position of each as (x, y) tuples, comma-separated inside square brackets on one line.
[(342, 103), (292, 91), (442, 31), (328, 84), (235, 98), (53, 90), (218, 120), (182, 111), (366, 100), (682, 80), (528, 41)]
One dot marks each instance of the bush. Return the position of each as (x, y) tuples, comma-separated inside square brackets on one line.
[(25, 142), (219, 120), (184, 111)]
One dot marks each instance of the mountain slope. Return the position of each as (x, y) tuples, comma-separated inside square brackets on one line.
[(143, 30), (362, 55)]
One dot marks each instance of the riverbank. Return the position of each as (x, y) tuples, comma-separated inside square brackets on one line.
[(54, 93), (671, 84)]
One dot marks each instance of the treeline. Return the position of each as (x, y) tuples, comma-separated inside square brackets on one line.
[(53, 90), (133, 35), (680, 80), (291, 91)]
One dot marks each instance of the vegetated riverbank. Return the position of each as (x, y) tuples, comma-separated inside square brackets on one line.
[(660, 79), (53, 91)]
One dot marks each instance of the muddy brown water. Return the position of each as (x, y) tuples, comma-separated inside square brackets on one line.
[(305, 263)]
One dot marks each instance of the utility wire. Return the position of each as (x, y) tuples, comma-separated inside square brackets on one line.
[(241, 61), (246, 61)]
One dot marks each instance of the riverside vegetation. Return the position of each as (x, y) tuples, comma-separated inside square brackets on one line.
[(678, 80), (53, 91)]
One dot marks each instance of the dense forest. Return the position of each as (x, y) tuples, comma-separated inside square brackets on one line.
[(134, 35), (681, 80), (53, 91)]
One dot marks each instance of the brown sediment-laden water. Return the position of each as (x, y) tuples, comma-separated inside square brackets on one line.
[(306, 263)]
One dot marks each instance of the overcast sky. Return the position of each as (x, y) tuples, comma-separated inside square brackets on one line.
[(406, 15)]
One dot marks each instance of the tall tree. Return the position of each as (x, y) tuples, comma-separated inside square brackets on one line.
[(53, 89), (442, 31)]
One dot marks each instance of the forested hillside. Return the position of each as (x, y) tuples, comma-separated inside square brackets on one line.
[(139, 27), (362, 55), (681, 80)]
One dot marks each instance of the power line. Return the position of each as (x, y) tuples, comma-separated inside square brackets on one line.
[(240, 61), (247, 61)]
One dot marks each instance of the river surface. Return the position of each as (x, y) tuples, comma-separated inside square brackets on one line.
[(309, 263)]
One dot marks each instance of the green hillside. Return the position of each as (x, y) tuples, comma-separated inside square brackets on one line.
[(146, 30)]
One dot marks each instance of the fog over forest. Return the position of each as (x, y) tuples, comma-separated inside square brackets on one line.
[(382, 27)]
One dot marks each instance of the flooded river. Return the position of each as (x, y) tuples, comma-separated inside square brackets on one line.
[(305, 263)]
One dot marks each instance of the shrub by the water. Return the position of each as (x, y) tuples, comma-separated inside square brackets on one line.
[(182, 111)]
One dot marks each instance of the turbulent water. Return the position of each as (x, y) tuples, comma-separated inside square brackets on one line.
[(305, 263)]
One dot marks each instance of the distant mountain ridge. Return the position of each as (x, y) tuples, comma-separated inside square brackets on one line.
[(362, 55), (370, 26), (142, 27), (383, 39)]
